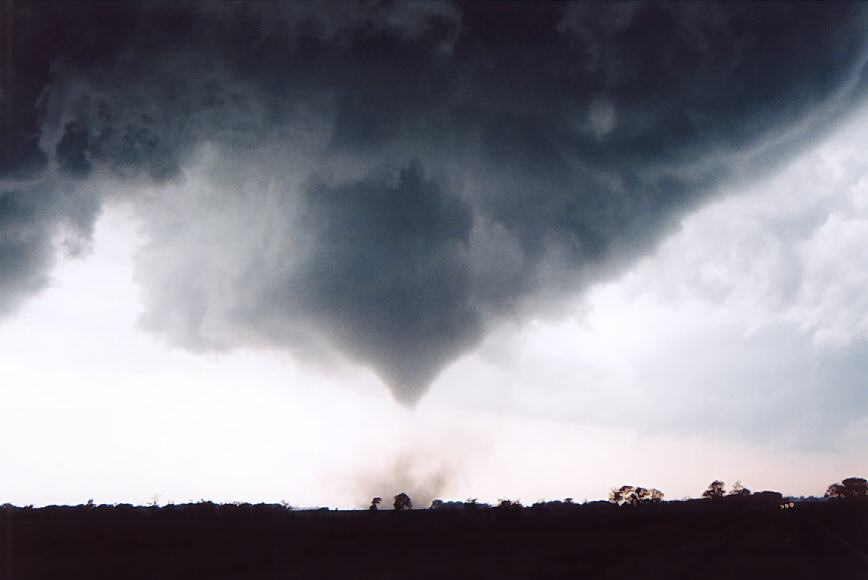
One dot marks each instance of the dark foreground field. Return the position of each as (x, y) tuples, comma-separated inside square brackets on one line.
[(700, 539)]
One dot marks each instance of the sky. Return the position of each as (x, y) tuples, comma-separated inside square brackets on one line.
[(321, 252)]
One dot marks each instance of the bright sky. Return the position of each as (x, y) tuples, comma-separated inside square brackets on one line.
[(736, 351)]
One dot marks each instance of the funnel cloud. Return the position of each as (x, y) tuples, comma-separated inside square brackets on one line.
[(385, 181)]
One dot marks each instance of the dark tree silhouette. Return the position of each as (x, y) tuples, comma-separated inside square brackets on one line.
[(642, 495), (375, 504), (716, 489), (626, 494), (855, 487), (402, 502), (739, 490), (850, 487), (508, 504), (835, 490)]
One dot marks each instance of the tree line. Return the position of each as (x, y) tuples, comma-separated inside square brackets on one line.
[(851, 487)]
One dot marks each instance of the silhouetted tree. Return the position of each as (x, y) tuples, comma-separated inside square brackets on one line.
[(855, 487), (508, 504), (850, 487), (739, 490), (835, 490), (626, 494), (770, 497), (716, 489), (655, 495), (375, 504), (453, 506), (402, 502)]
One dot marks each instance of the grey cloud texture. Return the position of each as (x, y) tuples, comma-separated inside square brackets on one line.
[(385, 180), (37, 222), (751, 320)]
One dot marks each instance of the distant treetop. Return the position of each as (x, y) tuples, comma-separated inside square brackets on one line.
[(716, 489), (850, 487), (402, 502), (634, 495), (739, 490)]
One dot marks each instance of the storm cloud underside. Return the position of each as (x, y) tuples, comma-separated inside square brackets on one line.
[(386, 181)]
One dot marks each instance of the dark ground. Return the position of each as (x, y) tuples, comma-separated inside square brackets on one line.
[(707, 539)]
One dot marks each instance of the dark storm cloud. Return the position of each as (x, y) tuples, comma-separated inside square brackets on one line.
[(24, 249), (390, 272), (34, 224), (387, 179)]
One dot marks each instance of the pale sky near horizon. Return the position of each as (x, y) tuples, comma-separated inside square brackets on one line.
[(737, 351)]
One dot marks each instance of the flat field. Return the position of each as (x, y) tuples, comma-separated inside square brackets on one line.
[(707, 539)]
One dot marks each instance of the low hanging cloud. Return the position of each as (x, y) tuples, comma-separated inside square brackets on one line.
[(386, 180)]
